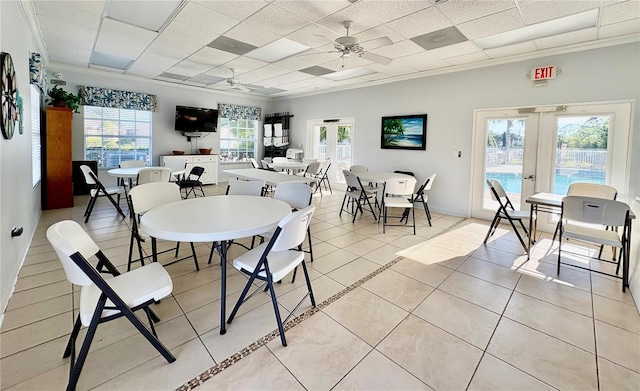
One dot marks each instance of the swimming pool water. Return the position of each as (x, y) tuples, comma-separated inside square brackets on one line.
[(511, 182)]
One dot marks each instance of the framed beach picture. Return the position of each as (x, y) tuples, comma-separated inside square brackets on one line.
[(404, 132)]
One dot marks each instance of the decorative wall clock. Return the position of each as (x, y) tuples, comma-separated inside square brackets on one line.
[(8, 98)]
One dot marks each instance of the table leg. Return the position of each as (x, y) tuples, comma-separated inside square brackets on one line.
[(223, 286), (531, 229), (154, 250)]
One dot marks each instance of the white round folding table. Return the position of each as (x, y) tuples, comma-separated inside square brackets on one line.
[(214, 219)]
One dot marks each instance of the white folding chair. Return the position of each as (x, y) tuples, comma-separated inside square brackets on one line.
[(142, 199), (153, 174), (357, 195), (397, 194), (273, 260), (421, 195), (324, 175), (254, 163), (505, 211), (177, 166), (280, 160), (98, 190), (239, 187), (584, 219), (358, 168), (101, 299), (130, 164), (314, 170)]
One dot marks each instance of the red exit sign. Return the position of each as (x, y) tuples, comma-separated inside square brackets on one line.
[(543, 73)]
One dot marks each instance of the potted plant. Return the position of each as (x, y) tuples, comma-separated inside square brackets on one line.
[(61, 98)]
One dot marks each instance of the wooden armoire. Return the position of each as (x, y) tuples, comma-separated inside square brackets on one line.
[(57, 185)]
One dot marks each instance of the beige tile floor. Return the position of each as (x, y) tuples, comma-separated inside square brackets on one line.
[(450, 314)]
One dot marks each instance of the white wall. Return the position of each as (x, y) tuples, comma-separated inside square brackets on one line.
[(19, 201), (165, 138), (449, 100)]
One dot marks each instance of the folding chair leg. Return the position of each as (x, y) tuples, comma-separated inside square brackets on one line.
[(276, 310), (518, 234), (116, 205), (494, 224), (92, 203), (76, 367), (306, 276), (427, 212), (310, 246), (177, 249), (72, 337)]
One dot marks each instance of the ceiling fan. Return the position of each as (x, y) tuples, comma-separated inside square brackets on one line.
[(238, 85), (348, 46)]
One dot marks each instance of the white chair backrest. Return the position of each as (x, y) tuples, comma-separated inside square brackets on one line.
[(298, 195), (132, 163), (67, 238), (400, 186), (358, 168), (495, 184), (294, 229), (280, 160), (87, 171), (151, 195), (325, 165), (176, 164), (314, 168), (238, 187), (308, 160), (351, 179), (592, 190), (264, 163), (154, 174), (254, 163), (429, 182), (594, 210)]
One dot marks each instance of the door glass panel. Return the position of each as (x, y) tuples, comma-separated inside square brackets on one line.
[(343, 151), (504, 159), (320, 142), (581, 151)]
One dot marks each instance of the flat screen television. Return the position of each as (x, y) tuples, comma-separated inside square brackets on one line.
[(196, 119)]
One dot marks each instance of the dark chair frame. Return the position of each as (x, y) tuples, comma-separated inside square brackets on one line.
[(503, 213), (101, 191), (190, 185)]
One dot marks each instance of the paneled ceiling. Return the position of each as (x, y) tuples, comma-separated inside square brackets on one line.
[(286, 47)]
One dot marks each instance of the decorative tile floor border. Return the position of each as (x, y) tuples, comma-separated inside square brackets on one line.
[(226, 363)]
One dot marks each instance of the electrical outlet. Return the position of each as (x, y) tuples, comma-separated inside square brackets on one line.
[(456, 153), (459, 153)]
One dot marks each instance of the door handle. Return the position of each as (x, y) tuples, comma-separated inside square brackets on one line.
[(531, 177)]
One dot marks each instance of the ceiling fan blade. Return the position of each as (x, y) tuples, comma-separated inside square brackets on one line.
[(377, 43), (329, 40), (316, 53), (242, 88), (376, 58)]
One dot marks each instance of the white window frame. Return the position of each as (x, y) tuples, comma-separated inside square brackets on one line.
[(111, 158), (240, 155)]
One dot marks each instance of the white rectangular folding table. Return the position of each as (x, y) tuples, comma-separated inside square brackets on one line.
[(271, 178)]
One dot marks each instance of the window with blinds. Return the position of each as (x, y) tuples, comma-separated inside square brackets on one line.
[(237, 140), (36, 168), (115, 135)]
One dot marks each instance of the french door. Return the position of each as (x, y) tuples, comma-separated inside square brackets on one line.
[(331, 140), (546, 149)]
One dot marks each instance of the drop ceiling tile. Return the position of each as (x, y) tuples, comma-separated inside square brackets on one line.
[(211, 56), (567, 38), (620, 12), (205, 79), (123, 39), (63, 49), (511, 50), (277, 20), (339, 64), (167, 46), (263, 73), (68, 13), (188, 68), (359, 15), (460, 11), (312, 10), (231, 8), (384, 11), (421, 22), (156, 63), (492, 24), (467, 58), (284, 79), (268, 91), (95, 7), (440, 38), (171, 76), (535, 11), (244, 64), (109, 61), (61, 33), (396, 68), (143, 71), (297, 84), (277, 50), (205, 18), (313, 36), (420, 61), (183, 32), (399, 49), (374, 76), (316, 70), (150, 14), (292, 63), (455, 50), (106, 69), (221, 71), (250, 34), (318, 57), (622, 28)]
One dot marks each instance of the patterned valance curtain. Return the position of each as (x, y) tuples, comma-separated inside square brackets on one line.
[(238, 112), (37, 73), (116, 99)]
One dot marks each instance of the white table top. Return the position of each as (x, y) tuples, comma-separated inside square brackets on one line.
[(288, 166), (379, 176), (132, 172), (270, 177), (217, 218)]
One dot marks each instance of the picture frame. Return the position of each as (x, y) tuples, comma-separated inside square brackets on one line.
[(404, 132)]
